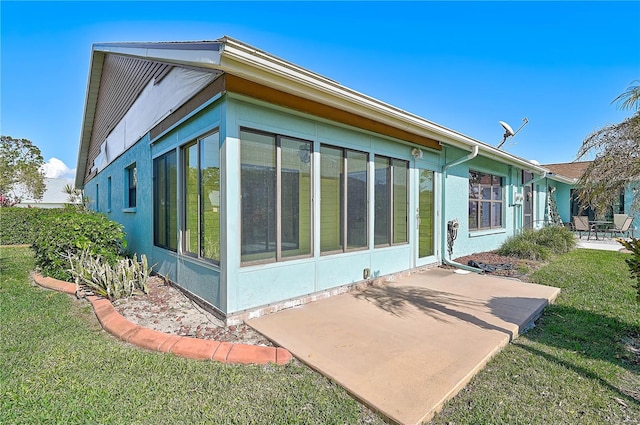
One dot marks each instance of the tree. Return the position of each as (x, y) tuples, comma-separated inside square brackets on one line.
[(20, 167), (630, 98), (76, 196), (617, 157)]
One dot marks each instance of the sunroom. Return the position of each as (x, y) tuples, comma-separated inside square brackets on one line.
[(256, 185)]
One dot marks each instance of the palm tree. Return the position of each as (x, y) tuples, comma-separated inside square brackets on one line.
[(630, 98)]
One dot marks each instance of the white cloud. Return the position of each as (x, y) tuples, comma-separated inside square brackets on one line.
[(55, 169)]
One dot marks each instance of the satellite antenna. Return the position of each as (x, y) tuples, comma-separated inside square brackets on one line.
[(508, 131)]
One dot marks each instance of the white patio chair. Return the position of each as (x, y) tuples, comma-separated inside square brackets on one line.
[(581, 224), (625, 228), (618, 220)]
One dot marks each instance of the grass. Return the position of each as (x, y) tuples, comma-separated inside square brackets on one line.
[(577, 366), (58, 366)]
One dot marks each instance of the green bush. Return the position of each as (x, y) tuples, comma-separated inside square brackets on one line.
[(72, 231), (524, 246), (21, 225), (539, 244), (558, 239), (633, 245)]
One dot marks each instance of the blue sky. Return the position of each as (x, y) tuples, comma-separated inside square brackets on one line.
[(464, 65)]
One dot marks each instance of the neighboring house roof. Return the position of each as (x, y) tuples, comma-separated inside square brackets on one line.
[(570, 170), (230, 56), (53, 194)]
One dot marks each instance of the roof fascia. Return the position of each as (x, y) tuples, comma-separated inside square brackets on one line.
[(91, 101), (204, 53)]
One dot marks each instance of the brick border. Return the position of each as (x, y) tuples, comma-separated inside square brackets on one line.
[(184, 346)]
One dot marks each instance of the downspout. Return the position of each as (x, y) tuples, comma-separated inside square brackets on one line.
[(458, 161)]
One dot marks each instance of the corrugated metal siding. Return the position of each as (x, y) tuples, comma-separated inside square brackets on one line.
[(123, 79)]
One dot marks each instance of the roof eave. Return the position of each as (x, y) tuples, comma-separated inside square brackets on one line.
[(202, 53), (237, 58), (562, 179), (255, 65), (93, 87)]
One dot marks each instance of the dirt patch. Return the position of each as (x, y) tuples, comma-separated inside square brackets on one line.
[(166, 309), (519, 268)]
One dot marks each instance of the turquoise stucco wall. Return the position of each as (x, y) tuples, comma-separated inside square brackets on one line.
[(563, 199), (456, 196), (137, 221)]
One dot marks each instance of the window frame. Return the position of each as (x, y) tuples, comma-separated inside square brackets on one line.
[(109, 194), (97, 197), (344, 199), (493, 200), (198, 143), (131, 192), (391, 196), (279, 256), (166, 209)]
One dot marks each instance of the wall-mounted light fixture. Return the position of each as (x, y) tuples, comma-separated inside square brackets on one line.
[(417, 153)]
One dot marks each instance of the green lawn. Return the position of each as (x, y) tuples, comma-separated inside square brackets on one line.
[(575, 367), (58, 366)]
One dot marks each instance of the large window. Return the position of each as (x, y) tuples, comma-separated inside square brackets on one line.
[(165, 210), (391, 201), (343, 201), (201, 179), (485, 201), (276, 190)]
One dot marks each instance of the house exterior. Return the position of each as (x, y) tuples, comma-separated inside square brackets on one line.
[(564, 179), (54, 195), (255, 184)]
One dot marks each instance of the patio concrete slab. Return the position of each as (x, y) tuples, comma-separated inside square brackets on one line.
[(405, 347), (603, 244)]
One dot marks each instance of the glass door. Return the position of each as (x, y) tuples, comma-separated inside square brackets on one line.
[(527, 208), (426, 217)]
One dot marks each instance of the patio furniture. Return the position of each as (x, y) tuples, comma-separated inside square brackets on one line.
[(581, 224), (624, 228), (600, 226), (618, 219)]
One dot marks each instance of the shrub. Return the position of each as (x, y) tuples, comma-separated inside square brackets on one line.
[(557, 238), (633, 245), (539, 244), (123, 279), (21, 225), (71, 232), (524, 246)]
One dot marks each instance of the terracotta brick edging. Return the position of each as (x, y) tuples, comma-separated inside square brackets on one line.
[(184, 346)]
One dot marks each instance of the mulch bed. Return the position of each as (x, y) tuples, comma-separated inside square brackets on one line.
[(520, 269)]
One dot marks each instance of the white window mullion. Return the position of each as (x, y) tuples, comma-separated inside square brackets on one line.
[(278, 200), (345, 200)]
